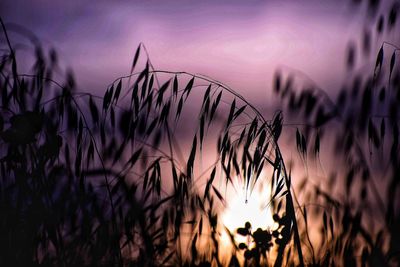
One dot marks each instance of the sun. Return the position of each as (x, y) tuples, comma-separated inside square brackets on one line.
[(254, 208)]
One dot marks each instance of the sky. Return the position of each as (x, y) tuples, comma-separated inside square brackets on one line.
[(240, 43)]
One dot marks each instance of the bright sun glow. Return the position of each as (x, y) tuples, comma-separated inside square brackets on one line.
[(255, 210)]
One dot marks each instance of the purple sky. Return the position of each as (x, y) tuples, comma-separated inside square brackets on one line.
[(240, 43)]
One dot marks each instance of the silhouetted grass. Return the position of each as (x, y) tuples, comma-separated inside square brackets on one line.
[(107, 180), (357, 204), (83, 177)]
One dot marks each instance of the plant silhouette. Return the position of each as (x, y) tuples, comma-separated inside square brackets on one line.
[(108, 180)]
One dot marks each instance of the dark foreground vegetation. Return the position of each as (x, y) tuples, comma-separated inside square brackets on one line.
[(89, 180)]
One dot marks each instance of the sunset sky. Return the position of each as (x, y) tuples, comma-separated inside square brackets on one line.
[(266, 119), (241, 43)]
